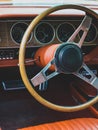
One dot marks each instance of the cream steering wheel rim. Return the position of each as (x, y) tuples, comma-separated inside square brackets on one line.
[(22, 61)]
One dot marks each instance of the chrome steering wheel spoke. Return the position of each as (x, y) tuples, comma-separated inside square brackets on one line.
[(92, 79), (84, 26), (42, 76)]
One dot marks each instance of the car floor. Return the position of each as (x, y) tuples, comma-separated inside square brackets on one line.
[(19, 109)]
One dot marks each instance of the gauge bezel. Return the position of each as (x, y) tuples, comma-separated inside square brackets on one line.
[(85, 42), (24, 32), (59, 27), (41, 43)]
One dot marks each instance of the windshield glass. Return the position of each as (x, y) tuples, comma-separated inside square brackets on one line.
[(46, 2)]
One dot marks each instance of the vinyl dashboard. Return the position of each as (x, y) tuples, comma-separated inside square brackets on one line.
[(52, 29)]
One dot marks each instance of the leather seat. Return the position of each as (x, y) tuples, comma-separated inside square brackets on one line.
[(73, 124)]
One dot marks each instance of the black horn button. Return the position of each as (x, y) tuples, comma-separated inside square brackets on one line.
[(68, 58)]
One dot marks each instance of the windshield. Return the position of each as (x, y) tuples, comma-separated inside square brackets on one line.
[(46, 2)]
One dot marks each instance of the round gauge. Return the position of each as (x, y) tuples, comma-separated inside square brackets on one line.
[(44, 33), (64, 31), (17, 31), (92, 34)]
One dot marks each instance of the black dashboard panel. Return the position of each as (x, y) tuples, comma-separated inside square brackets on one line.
[(49, 30)]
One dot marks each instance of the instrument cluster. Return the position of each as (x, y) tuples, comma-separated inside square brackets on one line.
[(48, 31)]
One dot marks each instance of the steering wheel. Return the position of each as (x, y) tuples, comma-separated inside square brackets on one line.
[(65, 59)]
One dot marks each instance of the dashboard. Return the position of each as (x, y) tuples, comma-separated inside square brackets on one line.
[(53, 29), (48, 31)]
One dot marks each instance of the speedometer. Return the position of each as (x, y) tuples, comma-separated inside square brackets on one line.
[(64, 31), (44, 33), (17, 32), (92, 34)]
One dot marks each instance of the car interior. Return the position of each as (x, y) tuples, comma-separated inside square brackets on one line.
[(48, 65)]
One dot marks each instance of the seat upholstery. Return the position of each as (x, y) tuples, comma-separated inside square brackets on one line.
[(73, 124)]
